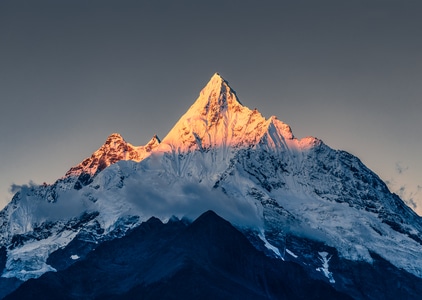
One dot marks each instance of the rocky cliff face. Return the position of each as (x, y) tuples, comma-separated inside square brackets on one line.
[(114, 149)]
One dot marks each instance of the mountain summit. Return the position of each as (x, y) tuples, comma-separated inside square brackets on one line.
[(295, 200), (114, 149), (215, 99), (218, 119)]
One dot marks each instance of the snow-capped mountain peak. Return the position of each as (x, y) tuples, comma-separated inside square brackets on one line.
[(114, 149), (216, 97), (223, 156), (216, 119)]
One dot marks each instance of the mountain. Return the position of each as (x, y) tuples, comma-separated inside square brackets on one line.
[(298, 201), (175, 253), (114, 149)]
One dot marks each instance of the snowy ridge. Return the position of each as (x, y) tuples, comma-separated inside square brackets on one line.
[(114, 149), (222, 156)]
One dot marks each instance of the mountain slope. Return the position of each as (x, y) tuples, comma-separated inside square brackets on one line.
[(250, 170), (179, 261)]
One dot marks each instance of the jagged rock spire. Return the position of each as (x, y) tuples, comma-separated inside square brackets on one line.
[(114, 149), (216, 96), (216, 118)]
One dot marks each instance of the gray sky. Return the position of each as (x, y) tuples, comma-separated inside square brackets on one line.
[(73, 72)]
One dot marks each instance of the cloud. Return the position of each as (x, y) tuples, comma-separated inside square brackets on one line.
[(412, 196), (409, 196), (69, 205), (401, 191), (411, 203), (14, 188), (189, 200), (400, 168), (33, 203)]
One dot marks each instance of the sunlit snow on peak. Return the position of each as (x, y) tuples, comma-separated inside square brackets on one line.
[(218, 119)]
